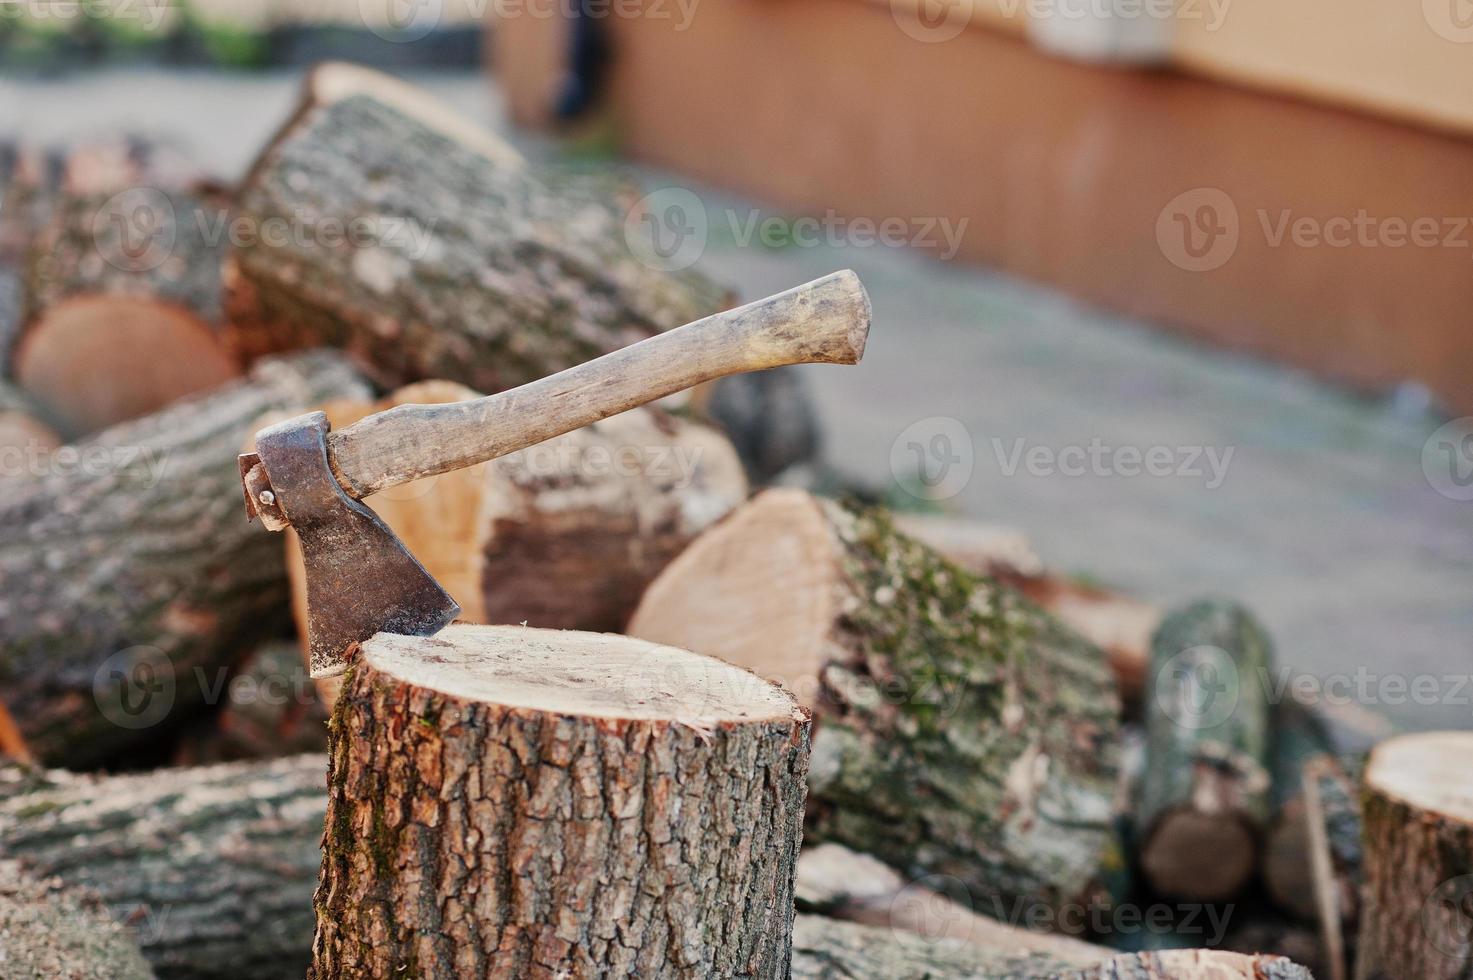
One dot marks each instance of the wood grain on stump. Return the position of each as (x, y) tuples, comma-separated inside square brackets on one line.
[(510, 802), (1417, 904), (964, 735)]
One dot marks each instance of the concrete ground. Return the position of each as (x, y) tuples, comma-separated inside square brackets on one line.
[(1319, 515)]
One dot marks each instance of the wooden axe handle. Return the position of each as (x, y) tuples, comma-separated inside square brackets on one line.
[(825, 321)]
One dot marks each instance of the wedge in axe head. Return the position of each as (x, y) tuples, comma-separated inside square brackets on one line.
[(361, 580)]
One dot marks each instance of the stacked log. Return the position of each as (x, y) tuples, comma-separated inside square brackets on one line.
[(48, 931)]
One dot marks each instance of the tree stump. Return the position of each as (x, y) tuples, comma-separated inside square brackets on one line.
[(509, 802), (964, 735), (1204, 796), (129, 578), (1417, 906), (434, 253)]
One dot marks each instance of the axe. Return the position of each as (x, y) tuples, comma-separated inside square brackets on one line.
[(361, 580)]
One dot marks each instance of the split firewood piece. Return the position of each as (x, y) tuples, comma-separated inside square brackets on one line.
[(1204, 797), (272, 709), (824, 949), (1120, 625), (897, 651), (563, 535), (1417, 807), (129, 578), (212, 868), (843, 884), (120, 311), (50, 932), (446, 260), (26, 433), (510, 802)]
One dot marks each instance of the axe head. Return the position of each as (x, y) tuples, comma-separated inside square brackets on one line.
[(361, 580)]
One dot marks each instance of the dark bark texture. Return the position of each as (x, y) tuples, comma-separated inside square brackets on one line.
[(455, 267), (129, 576), (49, 932), (212, 869)]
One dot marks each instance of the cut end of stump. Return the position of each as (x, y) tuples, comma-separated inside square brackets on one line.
[(1427, 770), (598, 675)]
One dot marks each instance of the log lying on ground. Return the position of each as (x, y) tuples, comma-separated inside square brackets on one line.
[(447, 262), (843, 884), (962, 731), (48, 932), (1204, 796), (769, 417), (1418, 900), (120, 311), (827, 950), (1116, 623), (26, 433), (271, 709), (563, 535), (512, 802), (212, 868), (128, 575)]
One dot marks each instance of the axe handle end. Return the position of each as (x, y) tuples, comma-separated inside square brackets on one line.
[(825, 321)]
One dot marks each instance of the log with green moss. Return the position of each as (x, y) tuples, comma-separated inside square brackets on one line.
[(129, 578), (1205, 791), (211, 868), (429, 250), (964, 736), (51, 932)]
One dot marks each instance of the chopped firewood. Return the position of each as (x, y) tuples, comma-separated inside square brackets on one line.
[(962, 731), (129, 578), (450, 258), (1204, 796), (505, 801), (1417, 809)]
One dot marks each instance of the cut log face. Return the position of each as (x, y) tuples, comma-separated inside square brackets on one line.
[(1417, 802), (485, 275), (1204, 797), (510, 802), (129, 578), (897, 652), (564, 535)]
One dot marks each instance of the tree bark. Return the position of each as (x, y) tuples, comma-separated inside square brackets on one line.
[(120, 311), (824, 949), (48, 932), (564, 535), (1417, 805), (26, 433), (429, 255), (506, 802), (128, 575), (212, 868), (1204, 798), (964, 736)]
